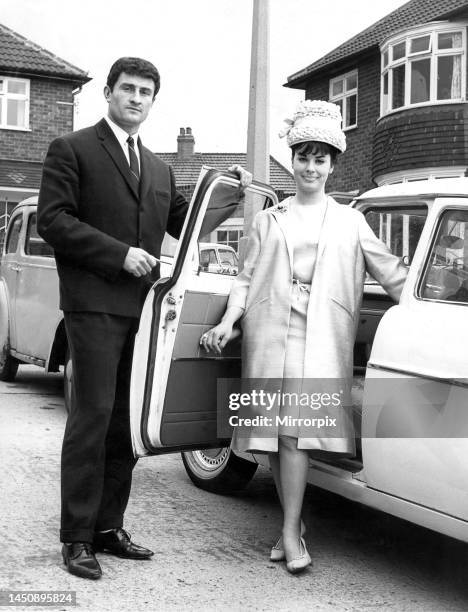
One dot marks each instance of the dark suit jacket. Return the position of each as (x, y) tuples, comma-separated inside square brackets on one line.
[(90, 212)]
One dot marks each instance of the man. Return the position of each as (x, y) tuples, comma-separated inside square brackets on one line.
[(104, 205)]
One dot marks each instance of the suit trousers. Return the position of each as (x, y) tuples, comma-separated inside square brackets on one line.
[(97, 456)]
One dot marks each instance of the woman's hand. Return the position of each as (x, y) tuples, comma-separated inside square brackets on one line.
[(216, 338), (245, 178)]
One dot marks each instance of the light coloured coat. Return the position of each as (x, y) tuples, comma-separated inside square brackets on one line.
[(347, 249)]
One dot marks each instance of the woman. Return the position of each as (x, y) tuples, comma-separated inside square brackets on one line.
[(298, 298)]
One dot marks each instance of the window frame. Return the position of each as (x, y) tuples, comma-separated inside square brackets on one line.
[(12, 224), (424, 269), (5, 96), (344, 95), (387, 65), (228, 241), (401, 209), (420, 174), (36, 240)]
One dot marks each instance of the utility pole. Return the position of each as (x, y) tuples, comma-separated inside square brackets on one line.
[(258, 139)]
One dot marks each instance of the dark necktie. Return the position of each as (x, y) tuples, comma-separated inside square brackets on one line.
[(134, 167)]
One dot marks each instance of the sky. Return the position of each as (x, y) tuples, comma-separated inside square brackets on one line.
[(202, 50)]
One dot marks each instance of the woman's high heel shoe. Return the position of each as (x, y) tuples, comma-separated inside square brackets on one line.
[(277, 552), (298, 564)]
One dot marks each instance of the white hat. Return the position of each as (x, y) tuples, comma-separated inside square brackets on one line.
[(315, 120)]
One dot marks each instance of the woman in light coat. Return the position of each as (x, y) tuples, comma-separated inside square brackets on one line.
[(298, 298)]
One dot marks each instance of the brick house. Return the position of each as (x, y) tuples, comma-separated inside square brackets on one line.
[(402, 88), (187, 164), (37, 92)]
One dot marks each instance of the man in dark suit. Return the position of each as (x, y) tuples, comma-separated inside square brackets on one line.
[(104, 205)]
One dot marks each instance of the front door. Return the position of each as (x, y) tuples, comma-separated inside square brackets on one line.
[(415, 426), (173, 402)]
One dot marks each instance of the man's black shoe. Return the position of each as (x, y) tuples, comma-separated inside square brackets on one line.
[(80, 560), (117, 542)]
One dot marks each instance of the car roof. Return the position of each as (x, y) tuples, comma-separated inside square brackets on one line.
[(430, 187), (216, 245), (28, 201)]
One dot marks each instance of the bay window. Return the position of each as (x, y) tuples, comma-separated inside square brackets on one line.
[(424, 66)]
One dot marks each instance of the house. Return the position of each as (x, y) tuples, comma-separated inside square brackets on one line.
[(402, 88), (186, 164), (37, 94)]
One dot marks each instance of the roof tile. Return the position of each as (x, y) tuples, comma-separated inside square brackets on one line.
[(20, 55), (186, 170), (412, 13)]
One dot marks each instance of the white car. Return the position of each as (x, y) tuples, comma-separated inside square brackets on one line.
[(411, 391), (32, 329)]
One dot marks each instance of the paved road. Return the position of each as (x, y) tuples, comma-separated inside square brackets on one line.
[(211, 551)]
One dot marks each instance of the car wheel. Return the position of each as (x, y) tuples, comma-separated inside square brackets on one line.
[(218, 470), (8, 368), (67, 380)]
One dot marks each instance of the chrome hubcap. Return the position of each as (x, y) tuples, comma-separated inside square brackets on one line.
[(210, 459)]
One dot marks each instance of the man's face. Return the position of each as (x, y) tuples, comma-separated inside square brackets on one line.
[(130, 101)]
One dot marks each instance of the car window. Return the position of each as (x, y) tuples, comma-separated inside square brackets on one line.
[(224, 222), (207, 257), (446, 273), (399, 228), (227, 257), (35, 245), (169, 245), (13, 234)]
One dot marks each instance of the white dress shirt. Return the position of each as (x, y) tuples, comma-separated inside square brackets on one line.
[(122, 136)]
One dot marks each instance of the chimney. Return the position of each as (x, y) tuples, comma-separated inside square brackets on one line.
[(185, 143)]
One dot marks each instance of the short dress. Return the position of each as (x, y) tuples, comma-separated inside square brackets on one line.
[(304, 225)]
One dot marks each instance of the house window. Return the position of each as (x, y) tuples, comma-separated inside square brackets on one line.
[(425, 66), (14, 103), (230, 237), (343, 91), (420, 174)]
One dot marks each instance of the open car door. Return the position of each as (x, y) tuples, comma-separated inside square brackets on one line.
[(173, 398)]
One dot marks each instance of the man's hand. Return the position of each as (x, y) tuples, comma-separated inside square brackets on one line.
[(138, 262), (244, 175)]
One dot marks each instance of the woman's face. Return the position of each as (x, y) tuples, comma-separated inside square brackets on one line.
[(311, 171)]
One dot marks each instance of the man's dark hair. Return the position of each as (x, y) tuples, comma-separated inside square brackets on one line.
[(134, 66), (316, 148)]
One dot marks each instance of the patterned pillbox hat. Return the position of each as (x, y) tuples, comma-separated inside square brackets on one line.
[(315, 120)]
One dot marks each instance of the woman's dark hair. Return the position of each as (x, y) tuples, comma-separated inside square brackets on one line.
[(134, 66), (316, 148)]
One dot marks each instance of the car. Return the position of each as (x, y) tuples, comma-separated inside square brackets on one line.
[(32, 329), (218, 258), (411, 371), (31, 324), (410, 393)]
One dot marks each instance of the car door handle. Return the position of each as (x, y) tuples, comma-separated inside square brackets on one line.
[(15, 268)]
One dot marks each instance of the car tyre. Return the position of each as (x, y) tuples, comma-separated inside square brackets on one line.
[(218, 470), (67, 380), (8, 368)]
